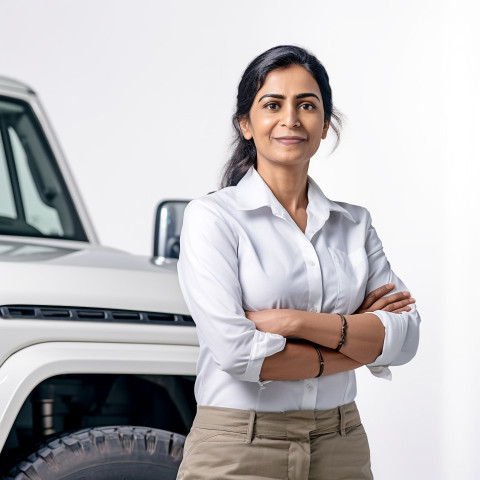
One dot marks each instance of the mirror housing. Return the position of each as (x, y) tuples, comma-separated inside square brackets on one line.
[(168, 224)]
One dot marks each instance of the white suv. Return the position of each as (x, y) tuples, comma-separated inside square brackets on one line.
[(97, 348)]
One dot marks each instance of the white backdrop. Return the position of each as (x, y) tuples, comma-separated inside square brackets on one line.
[(141, 94)]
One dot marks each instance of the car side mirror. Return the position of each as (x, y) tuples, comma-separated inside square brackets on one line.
[(168, 224)]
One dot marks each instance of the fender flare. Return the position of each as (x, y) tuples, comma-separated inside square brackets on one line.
[(28, 367)]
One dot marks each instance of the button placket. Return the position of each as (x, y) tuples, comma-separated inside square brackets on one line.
[(314, 276), (309, 399), (314, 272)]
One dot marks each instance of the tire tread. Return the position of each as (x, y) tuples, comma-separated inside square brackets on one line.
[(63, 456)]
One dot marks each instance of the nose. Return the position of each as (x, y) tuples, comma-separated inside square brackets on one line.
[(290, 117)]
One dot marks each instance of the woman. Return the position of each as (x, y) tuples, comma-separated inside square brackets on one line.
[(275, 277)]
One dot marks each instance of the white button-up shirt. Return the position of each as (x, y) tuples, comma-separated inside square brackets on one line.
[(241, 250)]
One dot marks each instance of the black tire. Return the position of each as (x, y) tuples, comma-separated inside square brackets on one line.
[(120, 452)]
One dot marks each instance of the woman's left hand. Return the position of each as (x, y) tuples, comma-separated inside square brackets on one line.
[(277, 320), (379, 300)]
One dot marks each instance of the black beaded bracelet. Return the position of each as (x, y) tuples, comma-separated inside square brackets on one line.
[(343, 333), (320, 356)]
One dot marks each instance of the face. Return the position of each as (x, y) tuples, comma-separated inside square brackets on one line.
[(286, 120)]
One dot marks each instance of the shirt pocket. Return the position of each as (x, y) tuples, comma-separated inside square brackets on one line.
[(352, 276)]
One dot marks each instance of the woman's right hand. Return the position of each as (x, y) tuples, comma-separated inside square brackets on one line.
[(379, 300)]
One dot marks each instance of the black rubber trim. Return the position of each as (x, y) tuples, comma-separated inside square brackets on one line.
[(81, 314)]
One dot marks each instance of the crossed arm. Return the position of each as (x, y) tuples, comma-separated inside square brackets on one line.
[(363, 341)]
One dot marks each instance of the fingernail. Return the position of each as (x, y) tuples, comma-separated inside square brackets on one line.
[(406, 294), (390, 285), (412, 300)]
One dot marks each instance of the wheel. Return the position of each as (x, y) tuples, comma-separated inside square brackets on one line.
[(120, 452)]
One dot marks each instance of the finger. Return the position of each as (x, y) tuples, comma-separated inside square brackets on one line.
[(404, 309), (381, 303), (396, 305), (372, 297)]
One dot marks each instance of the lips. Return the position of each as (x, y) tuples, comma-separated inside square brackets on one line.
[(289, 140)]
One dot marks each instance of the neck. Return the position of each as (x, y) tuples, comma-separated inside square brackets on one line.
[(288, 183)]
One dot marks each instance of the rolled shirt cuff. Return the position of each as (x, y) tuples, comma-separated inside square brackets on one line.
[(264, 345), (396, 326), (380, 372)]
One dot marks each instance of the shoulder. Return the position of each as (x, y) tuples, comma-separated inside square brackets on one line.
[(359, 214), (208, 215), (360, 227), (212, 204)]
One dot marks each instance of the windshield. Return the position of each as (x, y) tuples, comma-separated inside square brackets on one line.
[(34, 200)]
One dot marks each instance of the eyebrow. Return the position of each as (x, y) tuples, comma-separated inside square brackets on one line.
[(282, 97)]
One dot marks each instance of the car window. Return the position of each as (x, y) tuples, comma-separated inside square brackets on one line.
[(34, 200), (37, 213)]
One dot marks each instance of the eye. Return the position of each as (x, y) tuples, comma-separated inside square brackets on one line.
[(272, 106), (307, 106)]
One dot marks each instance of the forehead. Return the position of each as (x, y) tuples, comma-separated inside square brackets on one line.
[(293, 79)]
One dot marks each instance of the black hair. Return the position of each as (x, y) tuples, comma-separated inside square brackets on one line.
[(282, 56)]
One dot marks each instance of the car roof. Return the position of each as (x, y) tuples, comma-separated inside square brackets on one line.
[(12, 84)]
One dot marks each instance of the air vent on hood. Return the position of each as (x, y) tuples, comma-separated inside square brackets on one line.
[(42, 312)]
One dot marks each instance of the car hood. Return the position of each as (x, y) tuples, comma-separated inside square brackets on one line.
[(84, 275)]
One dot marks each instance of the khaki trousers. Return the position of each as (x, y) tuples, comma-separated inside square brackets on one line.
[(226, 443)]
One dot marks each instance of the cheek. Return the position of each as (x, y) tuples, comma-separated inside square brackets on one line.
[(315, 136), (316, 129), (263, 129)]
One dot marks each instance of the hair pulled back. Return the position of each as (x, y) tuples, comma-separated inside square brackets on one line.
[(282, 56)]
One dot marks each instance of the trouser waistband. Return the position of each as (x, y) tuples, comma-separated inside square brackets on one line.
[(291, 425)]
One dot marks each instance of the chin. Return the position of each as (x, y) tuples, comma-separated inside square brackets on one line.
[(290, 162)]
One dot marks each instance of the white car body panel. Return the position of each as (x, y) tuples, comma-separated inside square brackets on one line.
[(18, 334), (94, 276)]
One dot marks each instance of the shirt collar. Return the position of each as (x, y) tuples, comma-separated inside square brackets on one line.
[(252, 192)]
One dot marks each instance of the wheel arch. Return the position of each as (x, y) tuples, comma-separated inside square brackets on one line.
[(27, 368)]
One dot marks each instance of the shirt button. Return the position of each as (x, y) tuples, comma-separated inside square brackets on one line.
[(312, 263), (313, 309), (309, 387)]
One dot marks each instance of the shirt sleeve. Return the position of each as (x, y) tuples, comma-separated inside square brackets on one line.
[(401, 329), (208, 276)]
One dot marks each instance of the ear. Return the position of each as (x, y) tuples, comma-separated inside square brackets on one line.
[(325, 130), (245, 127)]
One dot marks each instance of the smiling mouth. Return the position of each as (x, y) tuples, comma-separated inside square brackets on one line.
[(289, 140)]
